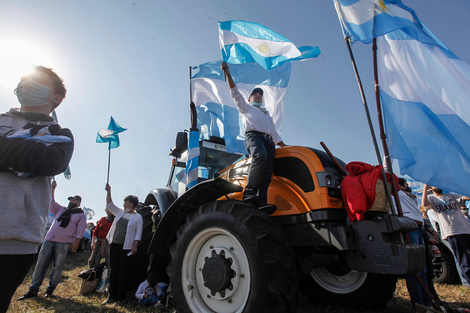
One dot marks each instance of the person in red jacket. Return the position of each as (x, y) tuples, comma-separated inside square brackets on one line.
[(99, 243)]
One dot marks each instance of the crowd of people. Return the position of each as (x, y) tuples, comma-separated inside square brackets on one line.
[(34, 148)]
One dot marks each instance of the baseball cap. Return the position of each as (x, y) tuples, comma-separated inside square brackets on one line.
[(78, 198)]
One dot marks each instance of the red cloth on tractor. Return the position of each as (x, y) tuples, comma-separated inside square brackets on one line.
[(358, 188)]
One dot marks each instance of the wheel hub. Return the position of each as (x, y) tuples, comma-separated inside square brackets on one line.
[(217, 273)]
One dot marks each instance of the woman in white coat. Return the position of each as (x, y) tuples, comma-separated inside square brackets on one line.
[(124, 237)]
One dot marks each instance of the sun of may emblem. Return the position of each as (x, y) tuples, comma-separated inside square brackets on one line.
[(263, 49), (382, 6)]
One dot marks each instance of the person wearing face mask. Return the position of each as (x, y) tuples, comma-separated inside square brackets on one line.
[(124, 237), (64, 235), (261, 139), (33, 147)]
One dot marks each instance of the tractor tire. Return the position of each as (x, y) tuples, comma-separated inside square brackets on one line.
[(231, 257), (348, 288), (445, 271)]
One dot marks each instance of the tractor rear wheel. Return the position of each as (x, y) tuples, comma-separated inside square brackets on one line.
[(230, 257)]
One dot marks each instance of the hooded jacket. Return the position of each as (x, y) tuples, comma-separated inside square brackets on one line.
[(26, 167)]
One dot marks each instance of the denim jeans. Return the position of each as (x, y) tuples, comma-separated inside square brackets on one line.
[(54, 252), (417, 293), (262, 151)]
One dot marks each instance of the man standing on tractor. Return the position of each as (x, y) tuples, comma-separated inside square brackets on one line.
[(260, 139)]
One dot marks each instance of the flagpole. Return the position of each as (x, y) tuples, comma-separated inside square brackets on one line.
[(383, 136), (109, 161), (371, 127)]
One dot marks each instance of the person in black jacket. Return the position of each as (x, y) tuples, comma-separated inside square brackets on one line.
[(33, 147)]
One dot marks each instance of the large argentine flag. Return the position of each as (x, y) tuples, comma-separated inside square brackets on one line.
[(425, 93), (216, 110), (245, 42), (364, 20)]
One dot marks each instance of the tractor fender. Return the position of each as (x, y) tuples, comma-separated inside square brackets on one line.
[(162, 198), (206, 191)]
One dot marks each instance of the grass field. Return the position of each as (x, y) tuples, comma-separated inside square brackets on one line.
[(68, 299)]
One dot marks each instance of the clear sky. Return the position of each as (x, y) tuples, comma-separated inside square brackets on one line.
[(130, 59)]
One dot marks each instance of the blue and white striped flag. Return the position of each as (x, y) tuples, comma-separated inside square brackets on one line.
[(364, 20), (245, 42), (424, 89), (216, 110), (193, 159), (425, 93)]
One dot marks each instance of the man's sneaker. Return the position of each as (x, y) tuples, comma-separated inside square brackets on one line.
[(109, 301), (28, 295)]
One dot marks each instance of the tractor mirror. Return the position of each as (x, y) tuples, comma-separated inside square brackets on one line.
[(181, 144)]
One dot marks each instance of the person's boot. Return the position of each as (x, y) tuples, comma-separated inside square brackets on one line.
[(28, 295)]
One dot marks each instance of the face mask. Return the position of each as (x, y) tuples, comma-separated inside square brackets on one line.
[(127, 210), (31, 93), (256, 104), (72, 205)]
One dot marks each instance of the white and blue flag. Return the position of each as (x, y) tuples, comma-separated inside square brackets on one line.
[(364, 20), (245, 42), (217, 113), (193, 158), (425, 93), (424, 90)]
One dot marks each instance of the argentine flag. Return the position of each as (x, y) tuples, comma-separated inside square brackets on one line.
[(364, 20), (216, 111), (425, 94), (424, 90), (245, 42), (110, 134)]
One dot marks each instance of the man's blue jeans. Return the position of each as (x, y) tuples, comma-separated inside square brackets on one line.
[(54, 252), (262, 151), (417, 293)]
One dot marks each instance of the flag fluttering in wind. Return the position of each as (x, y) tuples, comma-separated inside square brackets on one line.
[(216, 110), (110, 134), (364, 20), (245, 42), (424, 90), (89, 213)]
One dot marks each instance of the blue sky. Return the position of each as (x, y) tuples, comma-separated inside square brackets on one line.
[(130, 59)]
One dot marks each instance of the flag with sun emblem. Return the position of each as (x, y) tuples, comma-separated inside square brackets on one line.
[(364, 20), (246, 42)]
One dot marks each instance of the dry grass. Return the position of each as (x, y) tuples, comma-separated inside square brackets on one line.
[(67, 297)]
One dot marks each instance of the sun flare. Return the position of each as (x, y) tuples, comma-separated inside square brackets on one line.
[(17, 58)]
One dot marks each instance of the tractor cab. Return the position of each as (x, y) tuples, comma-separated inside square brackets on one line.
[(213, 157)]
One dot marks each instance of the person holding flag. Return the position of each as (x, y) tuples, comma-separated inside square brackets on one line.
[(260, 140)]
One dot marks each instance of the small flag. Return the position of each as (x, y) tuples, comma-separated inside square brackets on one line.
[(246, 42), (110, 134), (89, 213)]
